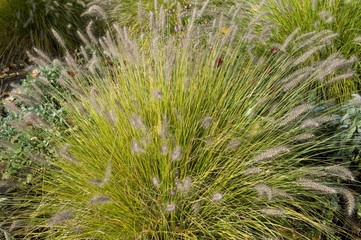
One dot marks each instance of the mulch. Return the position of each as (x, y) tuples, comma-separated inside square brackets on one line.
[(12, 74)]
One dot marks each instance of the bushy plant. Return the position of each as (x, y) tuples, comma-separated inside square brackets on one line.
[(30, 23), (25, 135), (180, 140), (340, 16)]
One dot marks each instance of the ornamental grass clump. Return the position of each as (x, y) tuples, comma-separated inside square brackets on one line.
[(28, 23), (190, 138), (318, 16)]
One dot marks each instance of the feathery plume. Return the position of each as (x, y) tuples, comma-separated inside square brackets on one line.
[(280, 193), (295, 113), (177, 152), (164, 149), (157, 94), (99, 199), (233, 144), (112, 117), (272, 211), (328, 39), (307, 183), (43, 80), (217, 197), (206, 122), (358, 39), (289, 39), (252, 170), (170, 207), (302, 71), (303, 137), (163, 131), (137, 122), (69, 59), (64, 152), (307, 55), (311, 40), (341, 77), (35, 119), (314, 5), (334, 64), (264, 191), (90, 32), (184, 186), (60, 217), (297, 80), (83, 38), (108, 173), (84, 53), (58, 38), (155, 182), (317, 121), (96, 10), (11, 107), (28, 100), (196, 208), (271, 153), (136, 148), (341, 172), (42, 55), (326, 16), (37, 157), (350, 200)]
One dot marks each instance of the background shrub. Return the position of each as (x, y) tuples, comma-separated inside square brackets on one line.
[(29, 23)]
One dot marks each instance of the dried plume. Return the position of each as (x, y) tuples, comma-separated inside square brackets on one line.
[(64, 152), (264, 191), (271, 153), (272, 211), (206, 122), (184, 186), (156, 182), (306, 55), (307, 183), (170, 207), (349, 198), (252, 170), (217, 197), (341, 172), (11, 107), (233, 144), (58, 38), (295, 113), (95, 10), (177, 153), (303, 137), (60, 217), (289, 39), (136, 148), (99, 199), (137, 122)]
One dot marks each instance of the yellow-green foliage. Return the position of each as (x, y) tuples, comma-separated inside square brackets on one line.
[(191, 138), (340, 16)]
